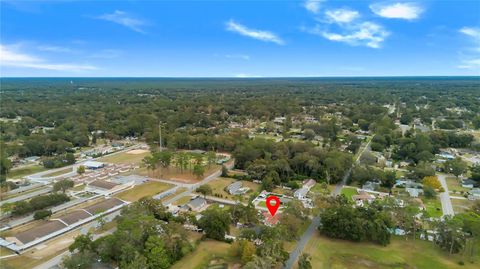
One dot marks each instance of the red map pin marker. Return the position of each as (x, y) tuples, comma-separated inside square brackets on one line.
[(273, 203)]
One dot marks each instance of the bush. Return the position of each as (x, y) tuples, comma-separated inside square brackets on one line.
[(42, 214), (39, 203)]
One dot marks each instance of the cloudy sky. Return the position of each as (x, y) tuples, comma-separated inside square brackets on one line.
[(239, 38)]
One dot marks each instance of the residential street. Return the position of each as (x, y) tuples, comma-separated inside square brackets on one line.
[(316, 221), (447, 207)]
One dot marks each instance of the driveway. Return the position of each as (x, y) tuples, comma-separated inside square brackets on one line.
[(447, 207)]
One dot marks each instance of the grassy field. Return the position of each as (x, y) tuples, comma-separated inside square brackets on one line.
[(329, 253), (433, 207), (25, 171), (59, 172), (461, 205), (140, 191), (454, 185), (218, 187), (206, 254), (349, 192), (183, 200), (174, 173), (124, 157)]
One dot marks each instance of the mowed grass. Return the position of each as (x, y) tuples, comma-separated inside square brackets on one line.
[(147, 189), (124, 158), (205, 252), (454, 185), (339, 254), (25, 171), (433, 207), (218, 188), (349, 192), (461, 205), (59, 172)]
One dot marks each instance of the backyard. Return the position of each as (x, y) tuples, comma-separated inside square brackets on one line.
[(207, 253)]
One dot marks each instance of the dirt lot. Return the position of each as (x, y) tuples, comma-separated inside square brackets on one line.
[(174, 173)]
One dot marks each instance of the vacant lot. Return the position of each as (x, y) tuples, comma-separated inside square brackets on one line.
[(454, 185), (125, 158), (174, 173), (461, 205), (329, 253), (218, 187), (207, 253), (146, 189), (25, 171)]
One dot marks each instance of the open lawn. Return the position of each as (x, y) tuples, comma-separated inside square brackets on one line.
[(349, 192), (433, 207), (461, 205), (454, 185), (183, 200), (124, 157), (206, 254), (218, 187), (25, 171), (330, 253), (59, 172), (146, 189)]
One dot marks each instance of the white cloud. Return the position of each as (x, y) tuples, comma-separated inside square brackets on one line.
[(123, 18), (237, 56), (254, 33), (472, 32), (9, 56), (473, 64), (54, 49), (341, 15), (313, 5), (365, 34), (407, 11)]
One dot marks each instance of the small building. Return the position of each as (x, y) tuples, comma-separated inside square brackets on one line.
[(31, 159), (414, 192), (93, 165), (370, 186), (309, 183), (301, 193), (363, 197), (197, 204), (236, 188), (468, 183), (104, 187), (474, 194)]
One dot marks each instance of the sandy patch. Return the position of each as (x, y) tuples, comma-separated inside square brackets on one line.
[(137, 151)]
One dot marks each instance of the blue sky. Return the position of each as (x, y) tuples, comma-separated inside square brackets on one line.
[(239, 38)]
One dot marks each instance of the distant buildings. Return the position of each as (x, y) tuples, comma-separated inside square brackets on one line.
[(92, 165), (196, 204)]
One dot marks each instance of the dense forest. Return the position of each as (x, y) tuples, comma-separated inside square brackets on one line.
[(54, 117)]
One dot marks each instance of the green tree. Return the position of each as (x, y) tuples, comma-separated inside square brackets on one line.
[(63, 185), (198, 170), (156, 254), (81, 169), (205, 189), (456, 166), (42, 214), (304, 261), (215, 223)]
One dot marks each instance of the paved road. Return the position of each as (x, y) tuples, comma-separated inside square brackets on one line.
[(447, 207), (316, 221), (27, 196), (302, 242)]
